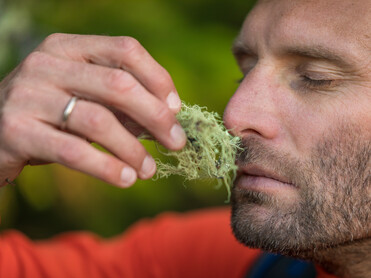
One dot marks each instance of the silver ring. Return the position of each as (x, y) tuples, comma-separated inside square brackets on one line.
[(67, 111)]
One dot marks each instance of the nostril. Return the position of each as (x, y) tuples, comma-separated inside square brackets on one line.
[(250, 131)]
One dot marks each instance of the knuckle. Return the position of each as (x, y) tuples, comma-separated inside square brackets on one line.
[(136, 155), (119, 81), (56, 43), (132, 51), (35, 60), (20, 93), (161, 115), (68, 153), (53, 39), (98, 119), (10, 127), (56, 40), (12, 131), (128, 44), (164, 80), (108, 171)]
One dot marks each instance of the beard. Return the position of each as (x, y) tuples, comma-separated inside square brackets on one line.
[(333, 207)]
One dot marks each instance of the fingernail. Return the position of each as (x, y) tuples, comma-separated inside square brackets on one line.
[(128, 176), (173, 101), (148, 166), (178, 135)]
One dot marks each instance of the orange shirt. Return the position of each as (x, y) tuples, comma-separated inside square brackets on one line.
[(196, 244)]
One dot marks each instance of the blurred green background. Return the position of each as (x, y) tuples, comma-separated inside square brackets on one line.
[(190, 38)]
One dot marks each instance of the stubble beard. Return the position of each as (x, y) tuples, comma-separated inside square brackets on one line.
[(334, 206)]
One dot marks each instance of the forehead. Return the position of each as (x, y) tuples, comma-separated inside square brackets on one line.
[(335, 23)]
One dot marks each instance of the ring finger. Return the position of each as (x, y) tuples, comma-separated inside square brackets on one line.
[(95, 122)]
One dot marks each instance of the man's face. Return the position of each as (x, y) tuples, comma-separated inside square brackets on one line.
[(303, 110)]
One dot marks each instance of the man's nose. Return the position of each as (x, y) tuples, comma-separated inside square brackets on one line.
[(254, 108)]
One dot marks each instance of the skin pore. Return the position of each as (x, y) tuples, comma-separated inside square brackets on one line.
[(303, 111)]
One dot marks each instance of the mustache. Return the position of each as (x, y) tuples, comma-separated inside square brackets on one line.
[(254, 151)]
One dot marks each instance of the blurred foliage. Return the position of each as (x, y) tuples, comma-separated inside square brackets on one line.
[(190, 38)]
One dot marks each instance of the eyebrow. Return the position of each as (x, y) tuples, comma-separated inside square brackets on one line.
[(317, 52), (239, 48)]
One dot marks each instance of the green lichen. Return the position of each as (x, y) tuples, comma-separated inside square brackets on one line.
[(210, 151)]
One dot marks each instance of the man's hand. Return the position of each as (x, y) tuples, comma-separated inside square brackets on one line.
[(103, 72)]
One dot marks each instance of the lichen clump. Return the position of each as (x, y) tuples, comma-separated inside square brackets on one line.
[(210, 151)]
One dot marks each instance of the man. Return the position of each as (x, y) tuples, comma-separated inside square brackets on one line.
[(303, 111)]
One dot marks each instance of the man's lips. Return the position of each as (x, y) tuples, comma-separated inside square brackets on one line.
[(254, 177), (255, 170)]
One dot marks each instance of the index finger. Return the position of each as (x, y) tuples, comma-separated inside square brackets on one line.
[(117, 52)]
